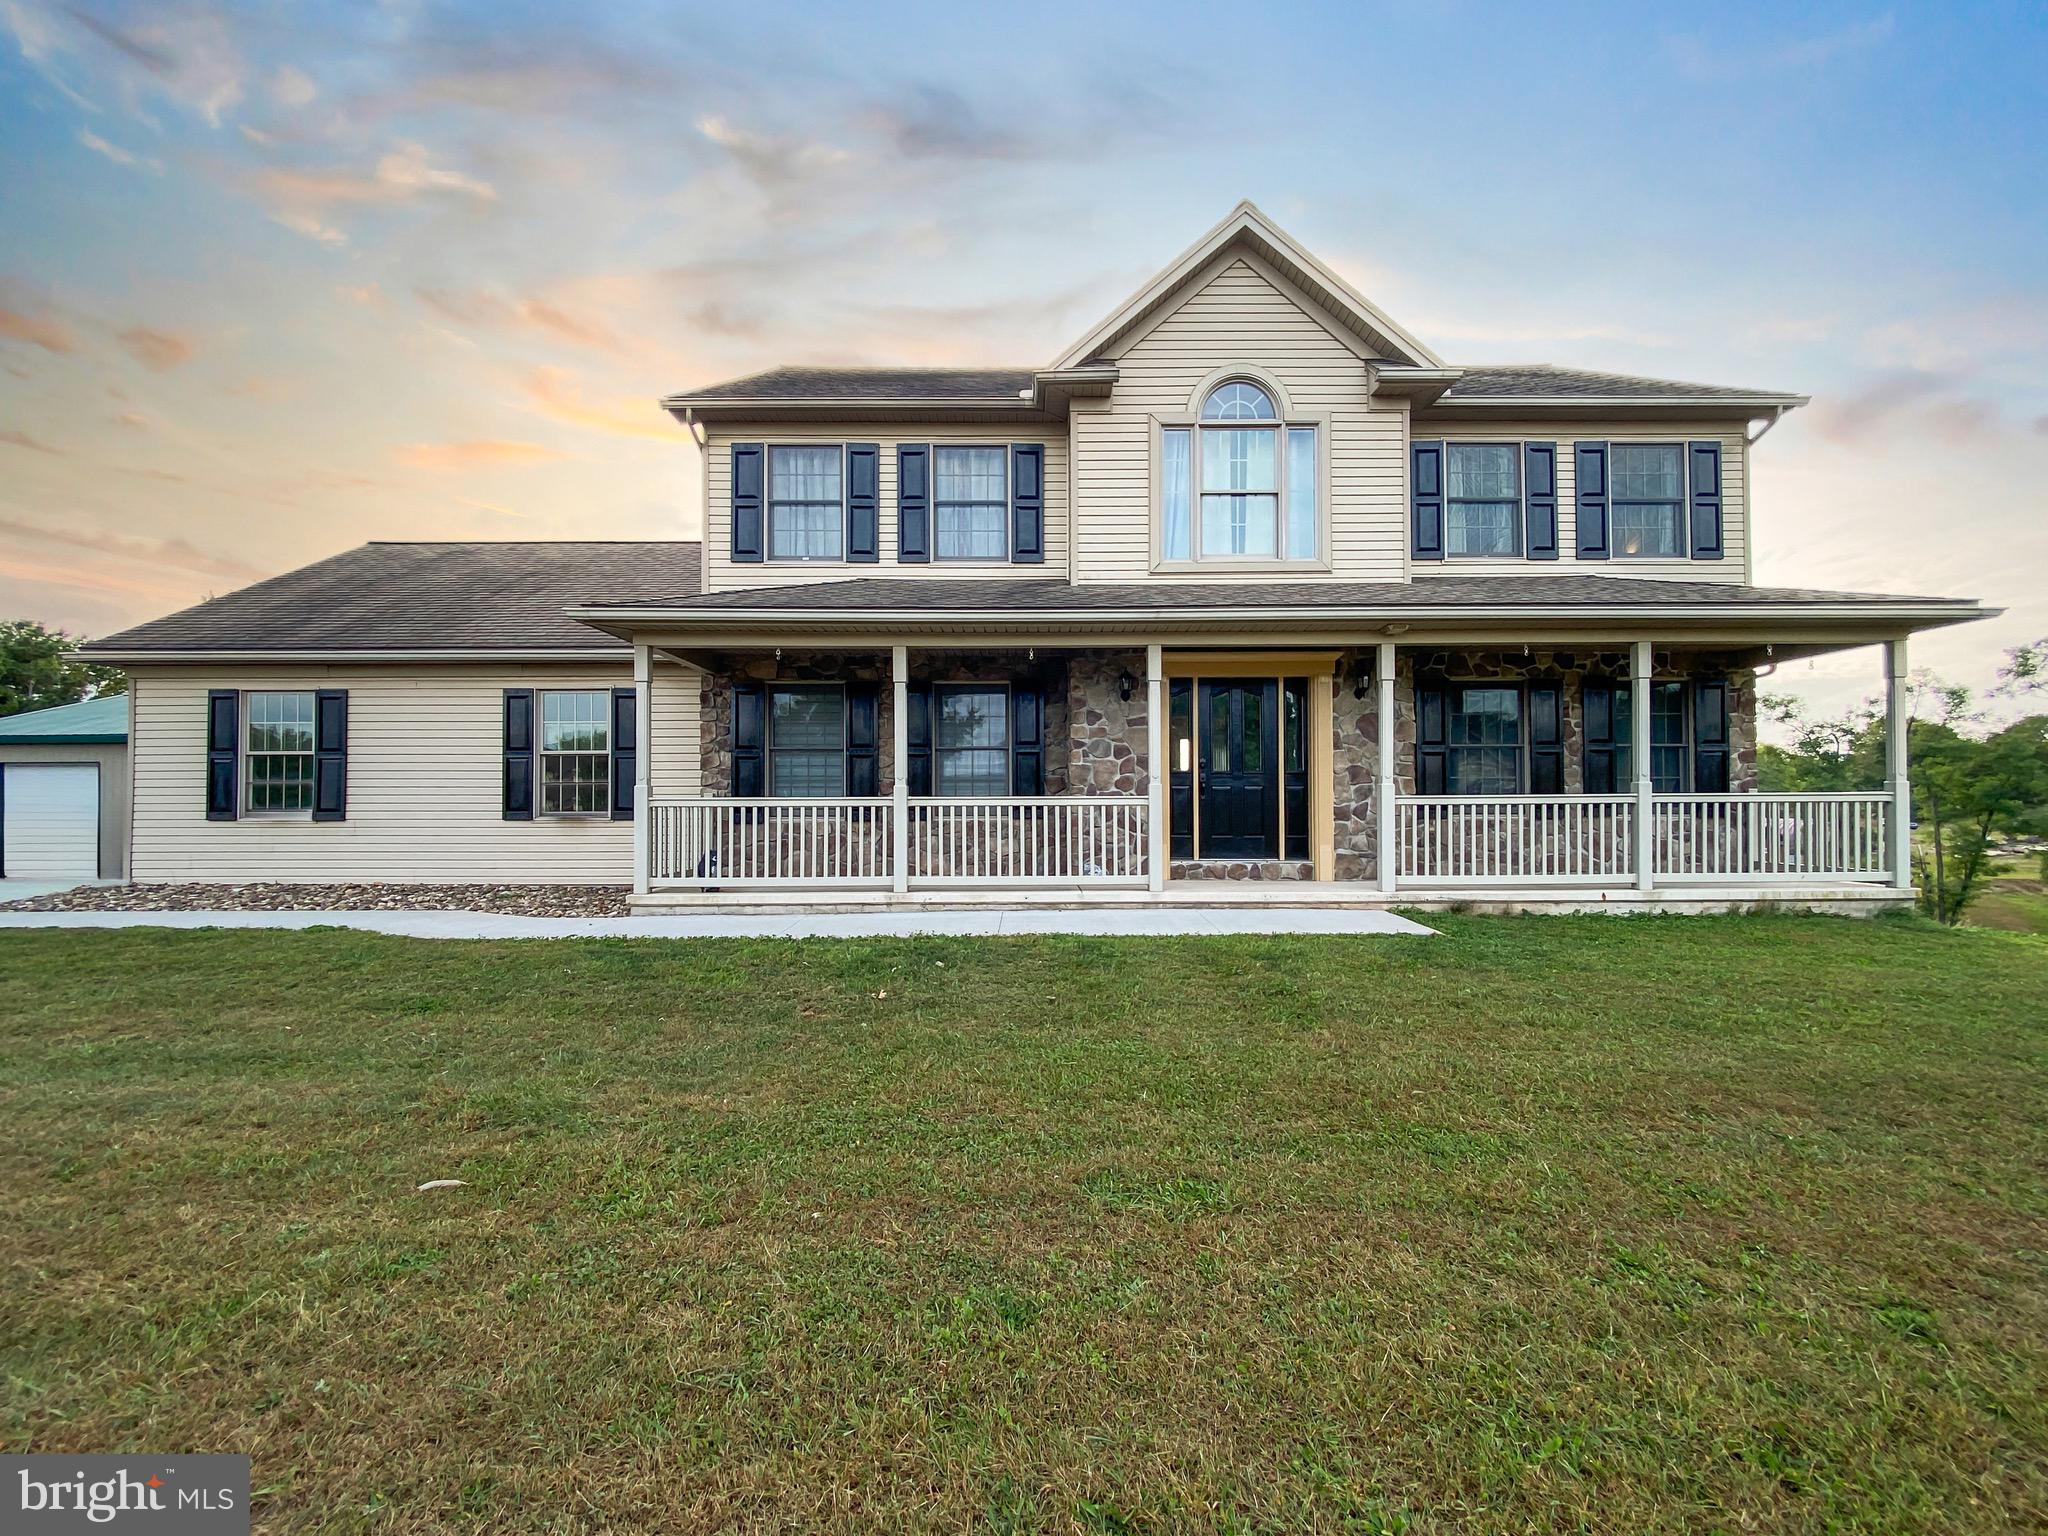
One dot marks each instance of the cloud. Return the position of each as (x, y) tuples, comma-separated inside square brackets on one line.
[(184, 53), (45, 331), (291, 87), (178, 553), (117, 154), (2041, 425), (775, 163), (477, 454), (483, 309), (1703, 59), (23, 440), (555, 394), (1919, 406), (926, 122), (303, 200), (158, 351)]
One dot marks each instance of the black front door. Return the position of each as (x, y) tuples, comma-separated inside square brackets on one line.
[(1240, 769)]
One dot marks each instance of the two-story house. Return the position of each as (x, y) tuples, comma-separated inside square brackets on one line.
[(1247, 585)]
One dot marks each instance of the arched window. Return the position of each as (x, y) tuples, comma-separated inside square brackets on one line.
[(1239, 401), (1252, 475)]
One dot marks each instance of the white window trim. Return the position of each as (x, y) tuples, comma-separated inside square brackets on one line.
[(1523, 749), (1009, 506), (242, 773), (1239, 564), (768, 554), (1520, 450), (541, 754), (974, 685), (1684, 496), (769, 749)]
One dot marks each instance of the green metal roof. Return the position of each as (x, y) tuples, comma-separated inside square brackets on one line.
[(96, 721)]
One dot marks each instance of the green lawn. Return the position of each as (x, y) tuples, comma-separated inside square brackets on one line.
[(1547, 1224)]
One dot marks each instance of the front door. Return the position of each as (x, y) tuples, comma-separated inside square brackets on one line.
[(1240, 769)]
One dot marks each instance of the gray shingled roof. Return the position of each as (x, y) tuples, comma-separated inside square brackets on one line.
[(1527, 380), (882, 384), (939, 594), (426, 597)]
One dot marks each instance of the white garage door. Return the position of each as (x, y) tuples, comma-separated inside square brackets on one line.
[(53, 821)]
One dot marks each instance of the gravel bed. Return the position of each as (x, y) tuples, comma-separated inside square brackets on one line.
[(513, 900)]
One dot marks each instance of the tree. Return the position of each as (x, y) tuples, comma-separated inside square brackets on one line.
[(36, 672), (2025, 670), (1965, 790)]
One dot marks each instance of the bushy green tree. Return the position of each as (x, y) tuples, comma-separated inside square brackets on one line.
[(1966, 790), (36, 672)]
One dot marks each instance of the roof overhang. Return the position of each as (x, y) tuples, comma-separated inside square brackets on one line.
[(1045, 401), (1608, 408), (305, 655)]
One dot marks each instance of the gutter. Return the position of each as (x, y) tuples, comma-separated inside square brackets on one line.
[(605, 654)]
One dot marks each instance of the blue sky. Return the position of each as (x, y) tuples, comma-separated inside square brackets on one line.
[(276, 280)]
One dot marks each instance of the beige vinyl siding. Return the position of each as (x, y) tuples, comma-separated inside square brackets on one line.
[(1734, 561), (721, 574), (675, 707), (1238, 315), (425, 780)]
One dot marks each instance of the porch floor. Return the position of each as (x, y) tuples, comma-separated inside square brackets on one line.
[(1183, 895)]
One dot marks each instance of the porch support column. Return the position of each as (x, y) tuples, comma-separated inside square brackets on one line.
[(1156, 767), (643, 741), (1639, 754), (899, 739), (1895, 776), (1383, 793)]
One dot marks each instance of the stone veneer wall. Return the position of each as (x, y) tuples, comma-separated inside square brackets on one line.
[(1108, 740)]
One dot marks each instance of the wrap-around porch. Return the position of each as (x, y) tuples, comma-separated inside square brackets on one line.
[(1363, 773)]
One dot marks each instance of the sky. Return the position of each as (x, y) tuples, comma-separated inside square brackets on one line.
[(275, 279)]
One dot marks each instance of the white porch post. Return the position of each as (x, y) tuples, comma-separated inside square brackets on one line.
[(899, 738), (1895, 776), (643, 739), (1156, 767), (1639, 753), (1383, 798)]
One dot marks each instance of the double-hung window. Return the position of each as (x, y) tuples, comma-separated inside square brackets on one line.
[(1483, 500), (1239, 484), (806, 502), (970, 503), (1484, 741), (576, 752), (1648, 518), (280, 752), (1670, 749), (807, 739), (970, 739)]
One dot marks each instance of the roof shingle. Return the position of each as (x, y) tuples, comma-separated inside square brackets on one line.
[(426, 597), (879, 384), (1543, 381)]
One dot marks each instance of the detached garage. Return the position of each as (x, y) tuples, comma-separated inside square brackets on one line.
[(64, 792)]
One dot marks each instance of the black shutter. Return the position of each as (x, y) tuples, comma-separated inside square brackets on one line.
[(1546, 739), (913, 503), (1710, 738), (863, 771), (223, 740), (1027, 505), (330, 754), (749, 740), (749, 465), (1432, 738), (1426, 500), (1027, 740), (1602, 764), (1539, 499), (518, 754), (863, 503), (1590, 473), (918, 736), (625, 752), (1706, 500)]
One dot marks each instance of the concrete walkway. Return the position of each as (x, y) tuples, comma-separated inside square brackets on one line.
[(825, 925)]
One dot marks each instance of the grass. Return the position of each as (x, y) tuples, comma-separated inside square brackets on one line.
[(1549, 1224), (2014, 905)]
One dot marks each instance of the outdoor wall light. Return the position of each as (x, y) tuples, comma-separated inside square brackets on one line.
[(1124, 684), (1361, 678)]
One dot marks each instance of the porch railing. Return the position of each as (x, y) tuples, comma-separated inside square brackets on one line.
[(718, 842), (1590, 840), (1771, 837), (711, 842), (1062, 839), (1515, 839)]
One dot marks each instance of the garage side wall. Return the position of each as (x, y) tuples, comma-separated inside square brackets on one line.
[(112, 762), (425, 780)]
